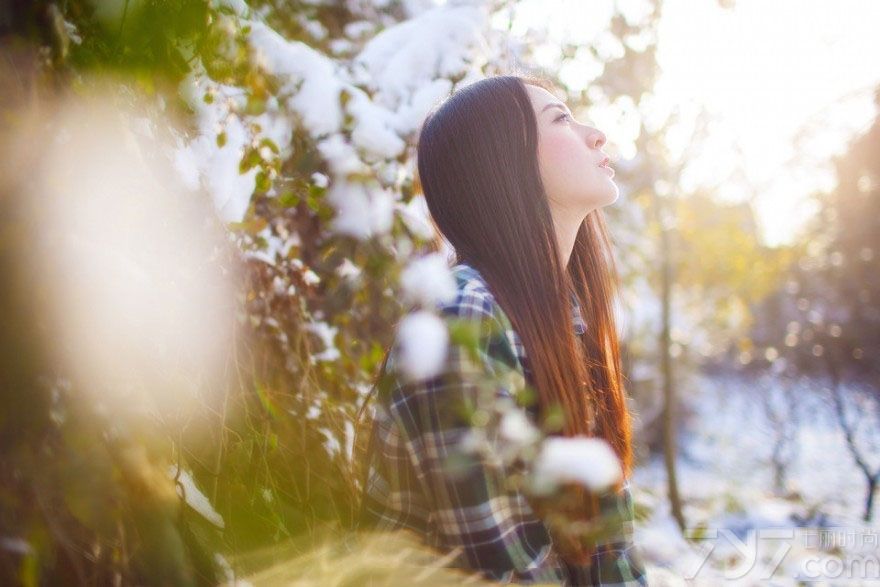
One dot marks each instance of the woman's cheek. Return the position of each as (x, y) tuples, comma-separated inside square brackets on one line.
[(561, 154)]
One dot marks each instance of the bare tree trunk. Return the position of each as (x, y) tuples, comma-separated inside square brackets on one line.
[(869, 501), (669, 428), (871, 477), (784, 422)]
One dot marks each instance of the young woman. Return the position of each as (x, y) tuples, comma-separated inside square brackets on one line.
[(516, 185)]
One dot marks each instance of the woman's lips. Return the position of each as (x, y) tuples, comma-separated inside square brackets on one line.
[(604, 165)]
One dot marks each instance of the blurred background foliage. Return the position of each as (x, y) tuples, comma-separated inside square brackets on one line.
[(99, 495)]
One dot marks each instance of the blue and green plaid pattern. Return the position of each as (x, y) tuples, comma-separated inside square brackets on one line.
[(416, 479)]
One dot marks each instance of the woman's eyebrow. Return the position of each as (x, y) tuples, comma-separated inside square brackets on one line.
[(552, 105)]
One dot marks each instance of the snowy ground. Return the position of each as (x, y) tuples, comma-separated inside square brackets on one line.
[(814, 529)]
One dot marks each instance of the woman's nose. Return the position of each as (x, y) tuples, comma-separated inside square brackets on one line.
[(595, 138)]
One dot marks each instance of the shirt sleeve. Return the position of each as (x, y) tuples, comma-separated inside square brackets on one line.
[(474, 510), (617, 561)]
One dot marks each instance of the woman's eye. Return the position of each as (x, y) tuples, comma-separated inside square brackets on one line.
[(562, 116)]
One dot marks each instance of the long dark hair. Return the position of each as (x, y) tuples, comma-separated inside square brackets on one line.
[(478, 168)]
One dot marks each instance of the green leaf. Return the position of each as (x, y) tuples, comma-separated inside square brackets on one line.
[(464, 332), (554, 420), (313, 202), (251, 158), (263, 183), (289, 199), (255, 106), (266, 142), (267, 403)]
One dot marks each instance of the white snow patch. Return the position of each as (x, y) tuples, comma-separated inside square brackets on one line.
[(327, 334), (517, 428), (416, 216), (187, 489), (424, 344), (588, 461), (428, 280), (444, 42), (361, 211), (311, 76), (348, 270)]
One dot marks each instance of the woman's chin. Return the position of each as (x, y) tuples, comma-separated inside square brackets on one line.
[(611, 194)]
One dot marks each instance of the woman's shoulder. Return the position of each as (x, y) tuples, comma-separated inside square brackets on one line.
[(474, 308), (473, 298), (468, 274), (475, 301)]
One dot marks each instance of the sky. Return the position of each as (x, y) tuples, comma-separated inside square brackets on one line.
[(766, 71)]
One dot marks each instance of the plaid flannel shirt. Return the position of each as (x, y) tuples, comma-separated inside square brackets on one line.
[(417, 430)]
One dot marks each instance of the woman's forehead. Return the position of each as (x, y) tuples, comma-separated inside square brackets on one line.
[(539, 96)]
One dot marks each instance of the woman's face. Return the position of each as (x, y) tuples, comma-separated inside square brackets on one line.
[(570, 158)]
